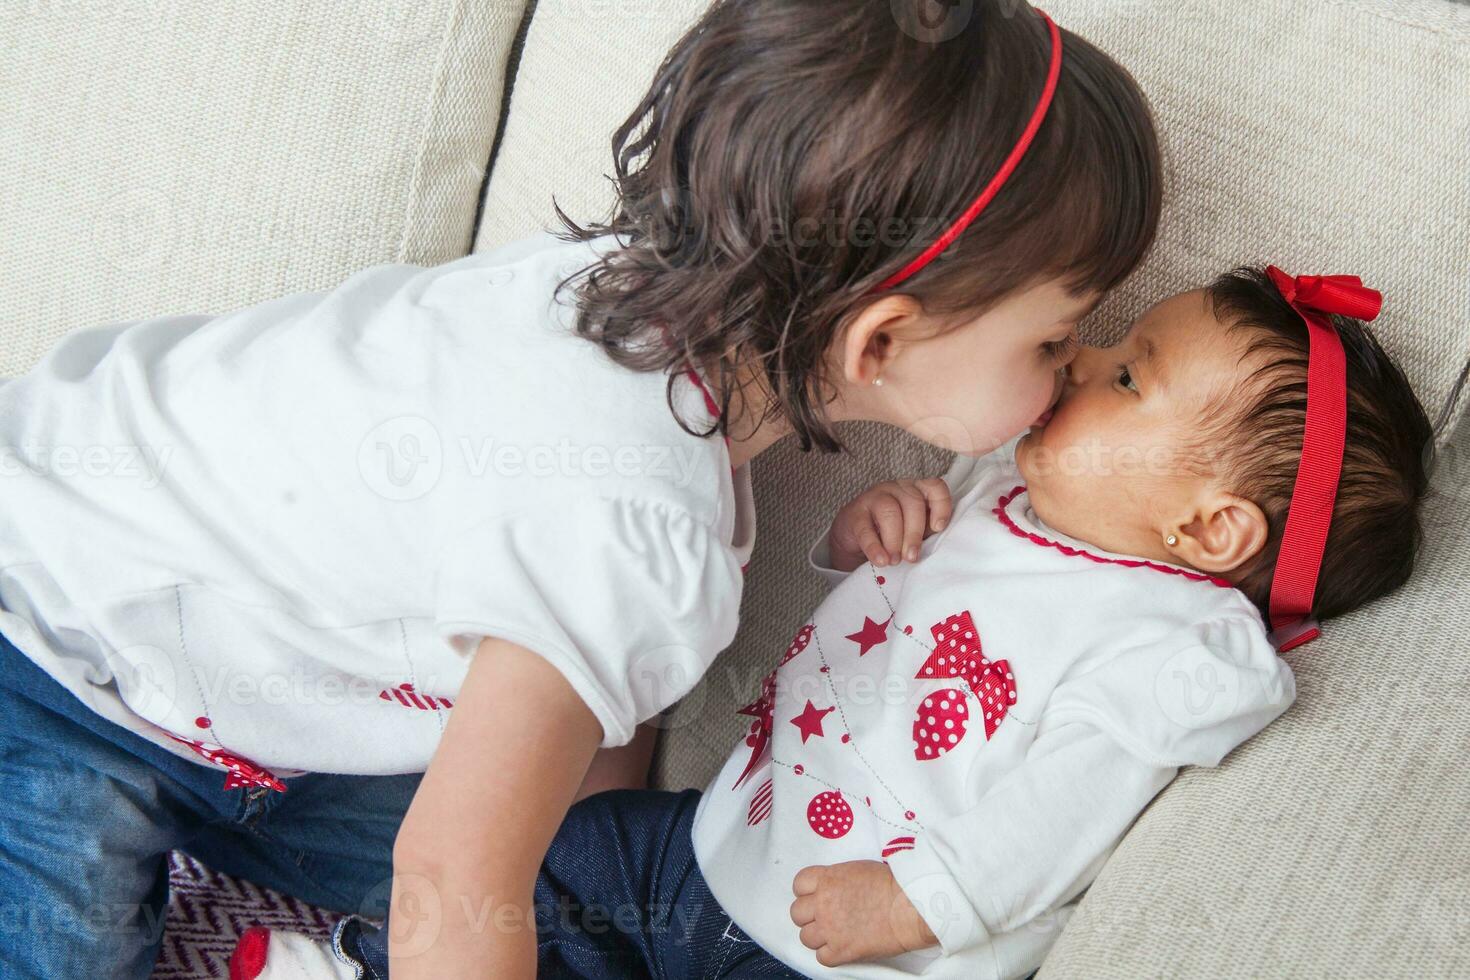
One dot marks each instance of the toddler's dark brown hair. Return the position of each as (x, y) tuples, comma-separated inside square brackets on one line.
[(1375, 532), (792, 154)]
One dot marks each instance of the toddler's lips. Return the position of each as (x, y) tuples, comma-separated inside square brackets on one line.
[(1042, 419)]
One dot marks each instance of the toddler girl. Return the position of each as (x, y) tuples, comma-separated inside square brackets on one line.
[(260, 570), (951, 747)]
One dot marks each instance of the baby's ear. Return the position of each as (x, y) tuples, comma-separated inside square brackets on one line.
[(1224, 532)]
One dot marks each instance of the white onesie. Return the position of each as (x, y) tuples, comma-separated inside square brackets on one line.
[(989, 721)]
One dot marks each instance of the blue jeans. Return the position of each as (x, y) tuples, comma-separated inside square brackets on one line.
[(89, 812), (619, 895)]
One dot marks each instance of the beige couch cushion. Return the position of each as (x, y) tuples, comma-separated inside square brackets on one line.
[(175, 156), (577, 80), (1323, 135)]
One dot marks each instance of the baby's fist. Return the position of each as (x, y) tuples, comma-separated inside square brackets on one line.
[(856, 911), (885, 525)]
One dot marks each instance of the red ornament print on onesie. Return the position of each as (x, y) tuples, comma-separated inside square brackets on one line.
[(242, 772), (759, 736), (762, 708), (798, 643), (896, 845), (957, 651), (941, 722), (760, 805), (996, 692), (829, 815), (405, 695), (943, 718)]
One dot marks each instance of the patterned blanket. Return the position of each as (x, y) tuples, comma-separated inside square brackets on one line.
[(207, 912)]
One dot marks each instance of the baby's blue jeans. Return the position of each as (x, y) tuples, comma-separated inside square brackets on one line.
[(89, 812), (619, 896)]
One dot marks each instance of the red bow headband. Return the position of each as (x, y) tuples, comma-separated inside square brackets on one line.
[(1006, 169), (1312, 498)]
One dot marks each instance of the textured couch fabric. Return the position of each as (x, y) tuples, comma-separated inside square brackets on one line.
[(177, 156), (162, 157), (1322, 135)]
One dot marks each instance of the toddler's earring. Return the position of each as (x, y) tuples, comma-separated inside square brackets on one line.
[(1171, 540), (878, 382)]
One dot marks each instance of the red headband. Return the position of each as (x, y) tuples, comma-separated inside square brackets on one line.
[(1312, 498), (988, 194)]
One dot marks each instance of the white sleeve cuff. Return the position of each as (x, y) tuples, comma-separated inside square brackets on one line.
[(820, 559), (617, 730), (959, 476), (936, 894)]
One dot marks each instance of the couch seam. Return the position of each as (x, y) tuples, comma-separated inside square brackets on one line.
[(1443, 31), (1451, 412), (507, 88), (430, 121)]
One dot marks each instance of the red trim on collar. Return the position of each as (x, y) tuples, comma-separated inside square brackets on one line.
[(713, 407), (1000, 511)]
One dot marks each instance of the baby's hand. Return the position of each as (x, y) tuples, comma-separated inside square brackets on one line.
[(856, 911), (885, 524)]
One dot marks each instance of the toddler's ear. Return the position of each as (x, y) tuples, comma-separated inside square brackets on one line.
[(868, 343), (1224, 532)]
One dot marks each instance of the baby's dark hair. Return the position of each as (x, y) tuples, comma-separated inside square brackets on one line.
[(1375, 532), (790, 155)]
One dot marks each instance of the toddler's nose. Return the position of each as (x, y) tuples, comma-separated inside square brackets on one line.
[(1059, 385)]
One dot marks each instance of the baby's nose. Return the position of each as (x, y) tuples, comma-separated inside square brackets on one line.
[(1073, 373), (1082, 366)]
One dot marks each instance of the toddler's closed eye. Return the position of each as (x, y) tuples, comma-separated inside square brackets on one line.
[(1061, 350)]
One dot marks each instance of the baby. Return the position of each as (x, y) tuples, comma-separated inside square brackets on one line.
[(1013, 662)]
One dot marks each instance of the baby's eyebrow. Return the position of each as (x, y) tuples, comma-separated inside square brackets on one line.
[(1150, 360)]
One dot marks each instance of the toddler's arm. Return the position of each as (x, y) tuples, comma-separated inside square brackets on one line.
[(625, 767), (513, 753)]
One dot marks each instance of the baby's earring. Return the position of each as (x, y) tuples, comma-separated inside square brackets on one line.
[(878, 382), (1171, 540)]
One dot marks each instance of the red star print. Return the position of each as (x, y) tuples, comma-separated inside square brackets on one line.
[(810, 721), (870, 635)]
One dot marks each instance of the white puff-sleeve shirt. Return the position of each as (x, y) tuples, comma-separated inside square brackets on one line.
[(271, 540), (989, 721)]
